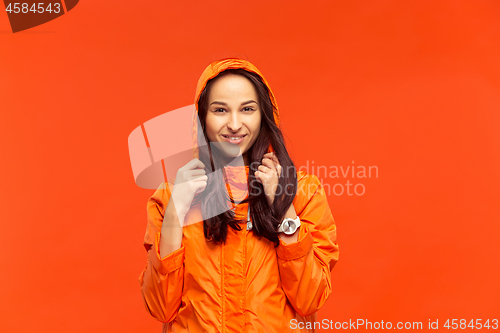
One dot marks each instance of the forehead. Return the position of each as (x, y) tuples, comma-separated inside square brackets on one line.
[(232, 87)]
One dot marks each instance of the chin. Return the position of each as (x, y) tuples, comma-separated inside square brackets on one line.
[(228, 150), (233, 156)]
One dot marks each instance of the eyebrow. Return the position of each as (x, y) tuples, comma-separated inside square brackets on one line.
[(244, 103)]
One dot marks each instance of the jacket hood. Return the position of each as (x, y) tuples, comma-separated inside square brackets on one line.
[(211, 71)]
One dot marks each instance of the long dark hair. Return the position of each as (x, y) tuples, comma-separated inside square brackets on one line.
[(215, 197)]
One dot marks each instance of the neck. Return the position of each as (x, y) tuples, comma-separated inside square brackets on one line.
[(241, 160), (238, 161)]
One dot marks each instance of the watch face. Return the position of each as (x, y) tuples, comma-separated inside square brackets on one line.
[(289, 227)]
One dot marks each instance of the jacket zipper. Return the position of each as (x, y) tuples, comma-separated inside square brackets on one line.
[(222, 288)]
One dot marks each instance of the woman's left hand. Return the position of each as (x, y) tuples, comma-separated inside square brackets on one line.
[(268, 174)]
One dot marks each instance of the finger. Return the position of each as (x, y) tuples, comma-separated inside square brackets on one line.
[(257, 176), (264, 169), (198, 178), (201, 188), (190, 174), (273, 157), (269, 163), (270, 154), (195, 172), (193, 164)]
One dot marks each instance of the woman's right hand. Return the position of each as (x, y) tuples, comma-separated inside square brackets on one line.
[(190, 179)]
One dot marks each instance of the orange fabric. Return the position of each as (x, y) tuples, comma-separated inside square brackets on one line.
[(245, 285)]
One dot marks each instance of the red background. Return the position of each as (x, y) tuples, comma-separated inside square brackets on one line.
[(412, 87)]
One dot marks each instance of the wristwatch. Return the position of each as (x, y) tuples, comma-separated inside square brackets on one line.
[(289, 226)]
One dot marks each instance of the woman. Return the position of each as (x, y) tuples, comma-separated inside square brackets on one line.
[(217, 263)]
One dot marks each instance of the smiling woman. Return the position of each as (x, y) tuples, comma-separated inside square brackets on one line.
[(205, 273)]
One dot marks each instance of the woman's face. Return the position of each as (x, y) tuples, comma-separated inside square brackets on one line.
[(233, 116)]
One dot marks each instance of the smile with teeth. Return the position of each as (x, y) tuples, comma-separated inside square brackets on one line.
[(233, 137)]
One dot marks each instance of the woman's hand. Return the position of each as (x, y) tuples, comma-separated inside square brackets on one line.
[(268, 174), (190, 179)]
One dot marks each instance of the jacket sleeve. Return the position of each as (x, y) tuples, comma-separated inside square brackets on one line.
[(162, 279), (305, 266)]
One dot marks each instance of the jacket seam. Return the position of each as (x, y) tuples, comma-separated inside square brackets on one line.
[(299, 249), (245, 282), (293, 258)]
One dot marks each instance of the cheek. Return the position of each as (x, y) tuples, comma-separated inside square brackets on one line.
[(211, 129), (255, 132), (255, 123), (256, 126)]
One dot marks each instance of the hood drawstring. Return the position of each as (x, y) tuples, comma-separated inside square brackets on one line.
[(249, 224)]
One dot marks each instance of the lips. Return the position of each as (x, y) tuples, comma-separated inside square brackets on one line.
[(234, 138)]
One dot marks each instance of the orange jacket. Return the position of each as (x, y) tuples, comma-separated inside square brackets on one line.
[(245, 285)]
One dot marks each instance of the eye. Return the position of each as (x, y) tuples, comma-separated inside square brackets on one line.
[(219, 110), (248, 109)]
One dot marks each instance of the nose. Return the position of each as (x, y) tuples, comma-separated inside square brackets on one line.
[(234, 124)]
